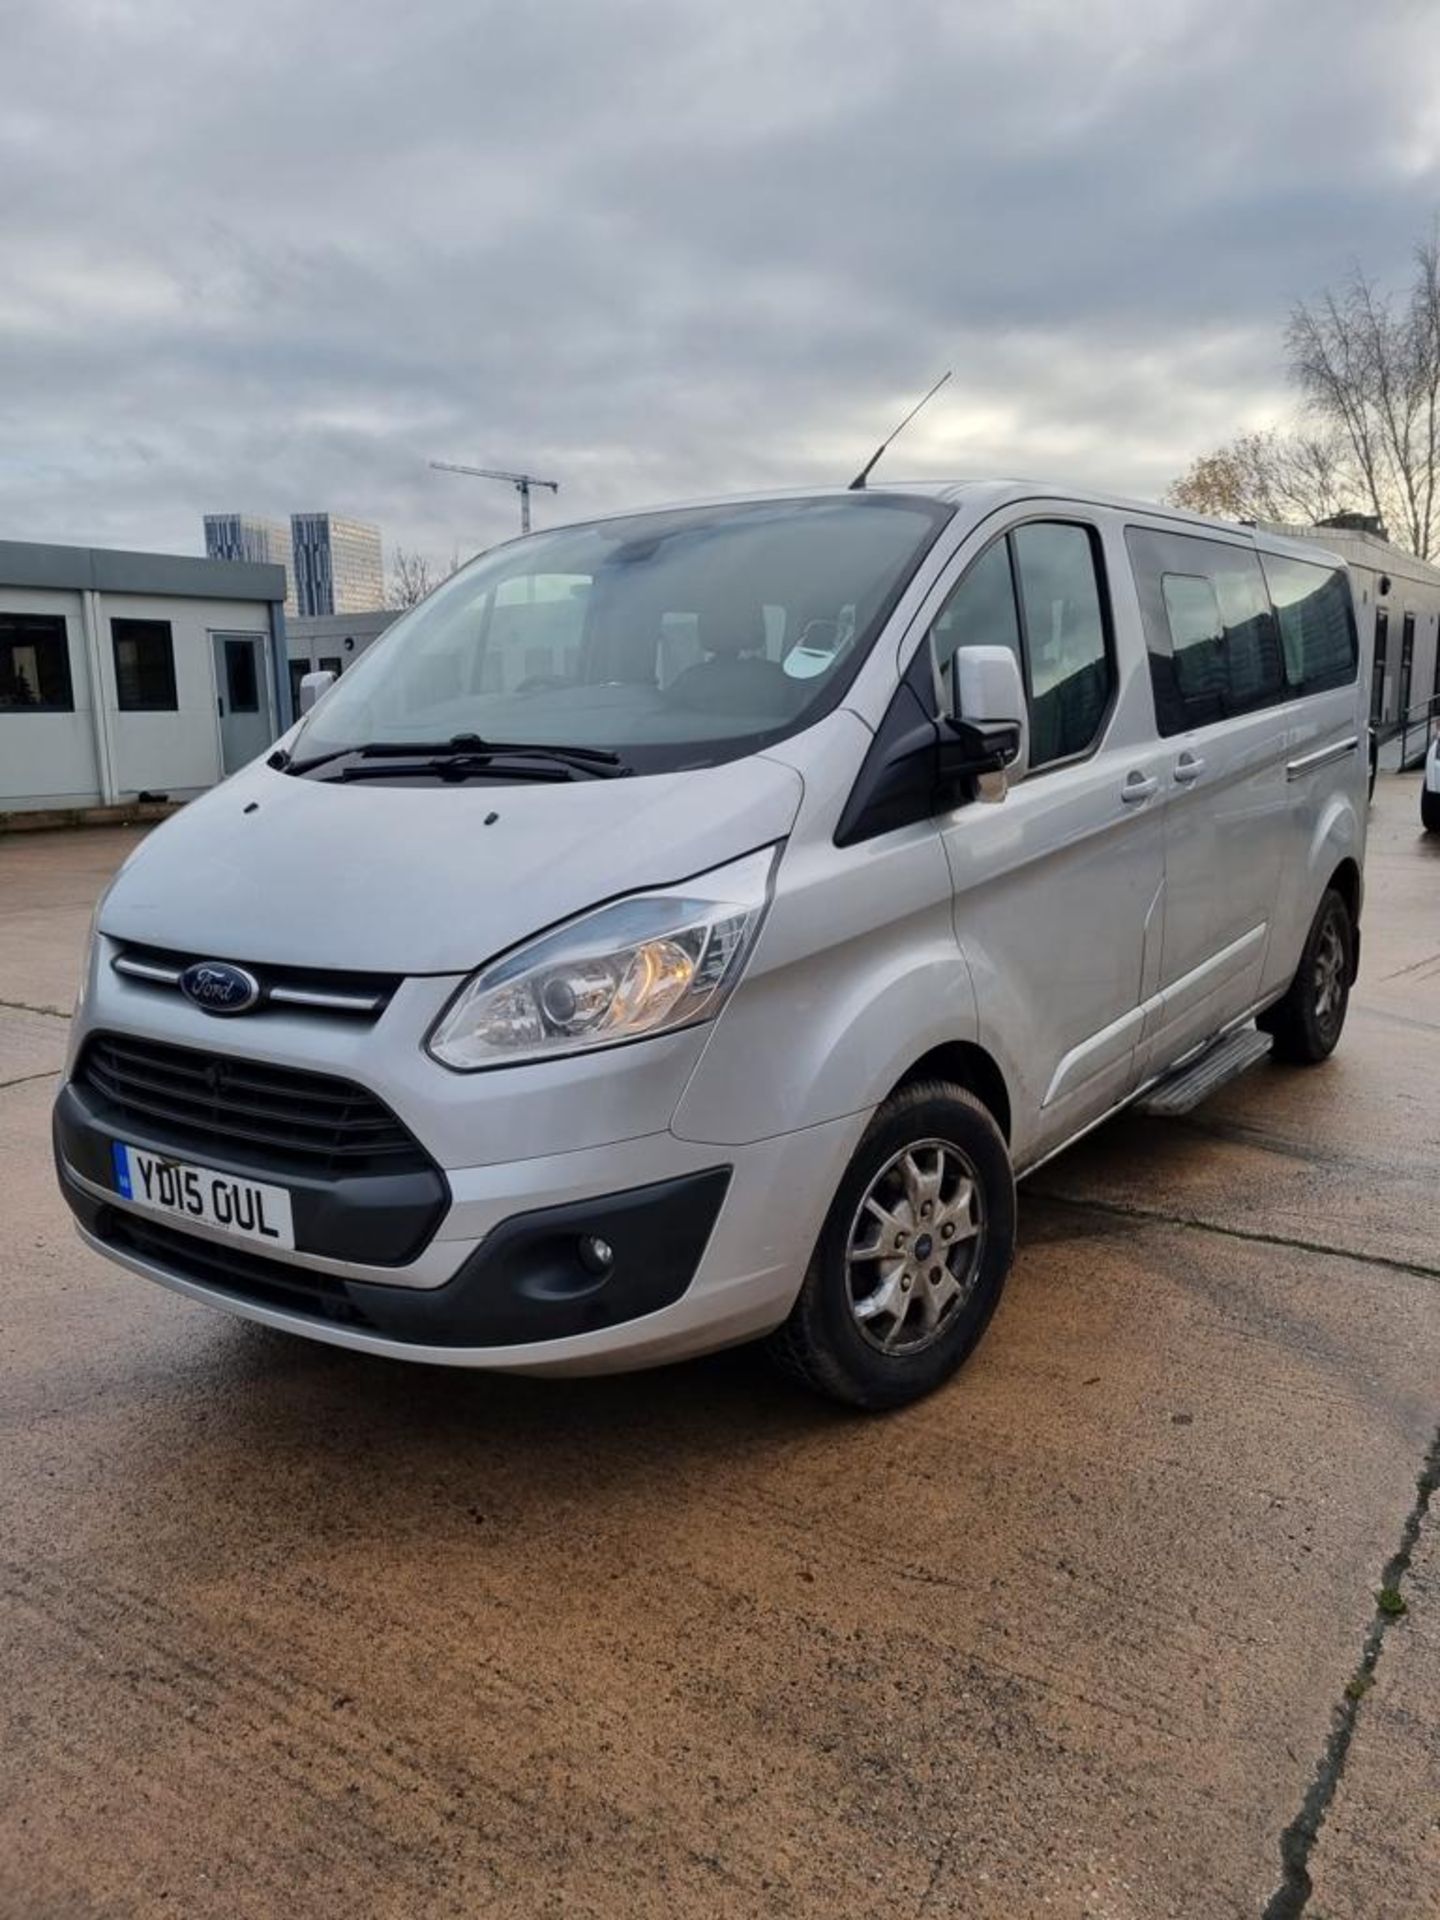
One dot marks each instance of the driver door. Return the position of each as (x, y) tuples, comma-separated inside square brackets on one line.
[(1058, 888)]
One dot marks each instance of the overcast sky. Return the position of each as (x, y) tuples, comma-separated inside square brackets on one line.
[(277, 256)]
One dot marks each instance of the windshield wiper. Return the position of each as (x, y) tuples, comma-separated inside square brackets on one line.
[(452, 772), (599, 762)]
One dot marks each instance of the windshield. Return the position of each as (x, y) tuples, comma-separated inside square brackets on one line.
[(673, 639)]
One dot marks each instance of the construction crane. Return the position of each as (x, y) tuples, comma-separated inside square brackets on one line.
[(522, 483)]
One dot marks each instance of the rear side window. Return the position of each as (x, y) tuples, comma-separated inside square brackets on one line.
[(1197, 638), (1212, 639), (1317, 623), (1039, 591)]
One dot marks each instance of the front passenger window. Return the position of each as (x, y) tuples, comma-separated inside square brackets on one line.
[(981, 610), (1065, 650), (1038, 591)]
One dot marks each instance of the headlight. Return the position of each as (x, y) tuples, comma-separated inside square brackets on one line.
[(646, 964)]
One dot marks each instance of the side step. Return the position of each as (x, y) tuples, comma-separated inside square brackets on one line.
[(1189, 1085)]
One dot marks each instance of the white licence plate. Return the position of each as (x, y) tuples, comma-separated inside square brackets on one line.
[(247, 1208)]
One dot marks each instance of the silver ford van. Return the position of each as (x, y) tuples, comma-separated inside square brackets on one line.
[(684, 928)]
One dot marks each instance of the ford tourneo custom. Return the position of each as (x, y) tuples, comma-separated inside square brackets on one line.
[(683, 928)]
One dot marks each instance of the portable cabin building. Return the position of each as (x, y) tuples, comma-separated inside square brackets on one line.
[(127, 674)]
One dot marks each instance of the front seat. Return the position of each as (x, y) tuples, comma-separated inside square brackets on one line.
[(734, 675)]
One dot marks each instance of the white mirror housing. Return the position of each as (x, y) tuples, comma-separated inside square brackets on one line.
[(990, 692), (312, 685)]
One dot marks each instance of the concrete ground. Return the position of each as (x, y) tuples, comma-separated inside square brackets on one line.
[(288, 1632)]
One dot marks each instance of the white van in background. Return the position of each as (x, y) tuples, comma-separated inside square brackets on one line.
[(734, 900), (1430, 789)]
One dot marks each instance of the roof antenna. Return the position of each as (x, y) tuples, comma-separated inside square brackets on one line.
[(857, 485)]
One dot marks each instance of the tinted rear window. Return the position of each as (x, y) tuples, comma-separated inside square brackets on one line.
[(1317, 623), (1212, 639)]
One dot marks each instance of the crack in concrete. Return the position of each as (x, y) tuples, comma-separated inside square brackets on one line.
[(1245, 1134), (25, 1006), (1297, 1842), (1396, 1019), (22, 1079), (1430, 960), (1122, 1211)]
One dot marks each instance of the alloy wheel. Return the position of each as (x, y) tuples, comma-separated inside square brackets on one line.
[(915, 1246), (1329, 975)]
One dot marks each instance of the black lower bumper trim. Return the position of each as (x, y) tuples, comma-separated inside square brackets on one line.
[(526, 1281)]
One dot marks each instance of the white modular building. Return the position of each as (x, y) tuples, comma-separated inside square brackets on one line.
[(130, 674)]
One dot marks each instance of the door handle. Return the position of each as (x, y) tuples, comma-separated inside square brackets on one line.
[(1138, 786), (1188, 767)]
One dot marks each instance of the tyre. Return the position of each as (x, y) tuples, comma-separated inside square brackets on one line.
[(913, 1256), (1429, 810), (1306, 1024)]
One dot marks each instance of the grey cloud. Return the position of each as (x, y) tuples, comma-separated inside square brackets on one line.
[(274, 257)]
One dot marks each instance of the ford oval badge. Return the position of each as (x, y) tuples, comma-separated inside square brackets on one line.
[(217, 987)]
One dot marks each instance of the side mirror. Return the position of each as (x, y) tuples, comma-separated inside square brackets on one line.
[(917, 764), (312, 685), (989, 738)]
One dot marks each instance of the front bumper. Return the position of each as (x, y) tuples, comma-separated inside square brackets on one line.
[(707, 1256), (735, 1249), (526, 1281)]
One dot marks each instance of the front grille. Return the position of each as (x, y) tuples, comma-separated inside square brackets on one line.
[(326, 991), (246, 1276), (194, 1099)]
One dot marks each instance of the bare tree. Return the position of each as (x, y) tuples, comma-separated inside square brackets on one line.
[(411, 578), (1270, 475), (1367, 364)]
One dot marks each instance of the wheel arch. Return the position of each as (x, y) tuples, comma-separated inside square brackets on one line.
[(1334, 856), (1347, 882), (968, 1065)]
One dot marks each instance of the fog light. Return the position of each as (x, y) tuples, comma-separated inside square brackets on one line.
[(596, 1254)]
